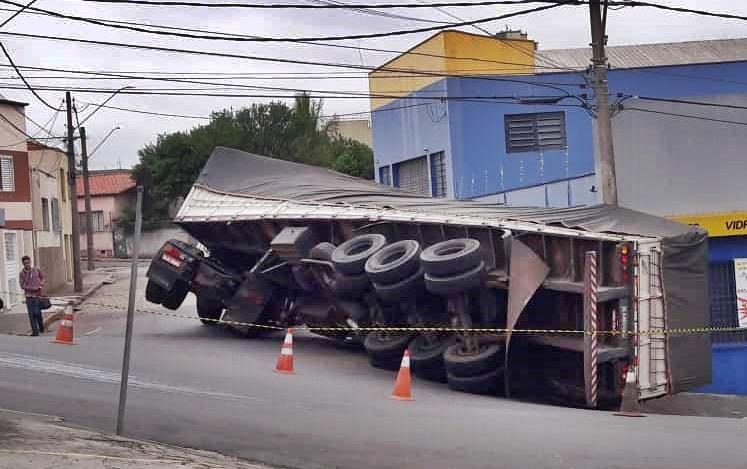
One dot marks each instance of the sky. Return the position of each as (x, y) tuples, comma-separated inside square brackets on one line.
[(563, 27)]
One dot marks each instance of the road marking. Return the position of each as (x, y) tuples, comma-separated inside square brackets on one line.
[(40, 365), (93, 331)]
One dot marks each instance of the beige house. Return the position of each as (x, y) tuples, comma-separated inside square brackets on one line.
[(354, 129), (52, 217), (16, 224)]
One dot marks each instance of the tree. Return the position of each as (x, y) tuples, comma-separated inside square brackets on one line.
[(353, 158), (168, 168)]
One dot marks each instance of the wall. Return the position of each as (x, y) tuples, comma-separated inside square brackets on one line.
[(151, 241), (492, 54), (355, 129), (670, 165), (51, 260), (103, 243), (10, 138), (404, 133)]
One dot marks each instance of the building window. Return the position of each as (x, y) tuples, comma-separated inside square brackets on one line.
[(385, 175), (438, 174), (56, 226), (7, 179), (45, 214), (63, 187), (412, 176), (534, 132), (11, 254), (97, 221)]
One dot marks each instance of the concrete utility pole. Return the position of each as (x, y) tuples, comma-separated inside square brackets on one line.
[(87, 198), (606, 160), (77, 275)]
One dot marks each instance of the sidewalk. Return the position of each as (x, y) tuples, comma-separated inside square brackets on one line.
[(16, 321), (31, 441)]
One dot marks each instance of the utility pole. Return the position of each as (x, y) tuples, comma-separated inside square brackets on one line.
[(87, 197), (77, 275), (606, 160)]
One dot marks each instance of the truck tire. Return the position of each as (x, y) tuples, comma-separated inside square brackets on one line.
[(155, 293), (486, 383), (385, 350), (175, 297), (322, 251), (351, 286), (394, 262), (209, 309), (489, 358), (394, 292), (426, 356), (350, 257), (456, 283), (451, 256)]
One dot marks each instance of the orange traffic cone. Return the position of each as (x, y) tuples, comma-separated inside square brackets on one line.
[(629, 406), (285, 360), (65, 331), (403, 385)]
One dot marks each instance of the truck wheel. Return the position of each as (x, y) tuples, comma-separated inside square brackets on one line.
[(322, 251), (350, 257), (487, 383), (456, 283), (209, 308), (175, 297), (393, 292), (394, 262), (385, 349), (351, 286), (451, 256), (460, 364), (426, 355), (155, 293)]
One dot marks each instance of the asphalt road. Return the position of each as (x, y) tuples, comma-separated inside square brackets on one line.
[(208, 388)]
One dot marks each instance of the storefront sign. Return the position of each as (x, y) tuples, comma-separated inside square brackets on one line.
[(740, 280), (718, 224)]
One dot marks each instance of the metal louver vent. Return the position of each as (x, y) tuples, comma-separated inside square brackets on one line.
[(533, 132)]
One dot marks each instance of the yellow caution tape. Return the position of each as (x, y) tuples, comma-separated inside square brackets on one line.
[(472, 330)]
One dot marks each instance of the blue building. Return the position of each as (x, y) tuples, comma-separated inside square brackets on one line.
[(528, 138)]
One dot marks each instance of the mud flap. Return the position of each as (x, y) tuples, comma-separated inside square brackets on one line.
[(527, 272)]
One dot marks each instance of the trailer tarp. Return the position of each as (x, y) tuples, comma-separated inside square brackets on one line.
[(685, 267)]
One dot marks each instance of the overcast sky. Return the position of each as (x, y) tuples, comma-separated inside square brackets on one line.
[(564, 27)]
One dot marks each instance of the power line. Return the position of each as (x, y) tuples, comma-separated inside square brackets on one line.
[(686, 101), (689, 116), (18, 12), (276, 60), (371, 12), (623, 3), (40, 12), (30, 88), (302, 39)]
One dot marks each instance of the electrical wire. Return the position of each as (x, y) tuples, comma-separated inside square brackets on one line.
[(275, 59), (302, 39), (40, 12), (686, 101), (623, 3), (18, 12), (689, 116), (28, 85), (371, 12)]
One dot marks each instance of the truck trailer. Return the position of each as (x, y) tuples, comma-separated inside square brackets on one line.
[(555, 304)]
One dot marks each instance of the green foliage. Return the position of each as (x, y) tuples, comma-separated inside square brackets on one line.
[(168, 168), (353, 158)]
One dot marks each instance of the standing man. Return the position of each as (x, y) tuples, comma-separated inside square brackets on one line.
[(32, 281)]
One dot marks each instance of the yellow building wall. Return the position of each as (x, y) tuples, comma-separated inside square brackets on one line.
[(494, 57)]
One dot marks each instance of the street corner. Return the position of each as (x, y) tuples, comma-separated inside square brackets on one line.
[(32, 441)]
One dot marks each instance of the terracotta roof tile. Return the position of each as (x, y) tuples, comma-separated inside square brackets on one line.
[(107, 182)]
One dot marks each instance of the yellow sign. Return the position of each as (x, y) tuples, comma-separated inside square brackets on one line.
[(718, 224)]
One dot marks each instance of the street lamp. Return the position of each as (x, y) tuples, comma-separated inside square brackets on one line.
[(104, 103), (103, 140)]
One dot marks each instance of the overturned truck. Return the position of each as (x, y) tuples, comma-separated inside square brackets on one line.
[(544, 303)]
